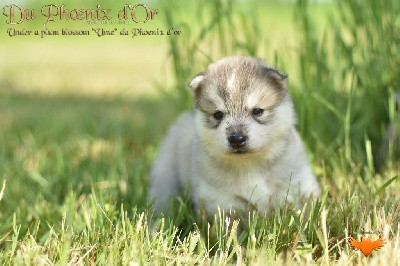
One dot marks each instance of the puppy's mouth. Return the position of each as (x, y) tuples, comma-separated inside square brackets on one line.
[(240, 151)]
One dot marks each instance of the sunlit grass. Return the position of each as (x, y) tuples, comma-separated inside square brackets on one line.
[(76, 175), (50, 67), (81, 123)]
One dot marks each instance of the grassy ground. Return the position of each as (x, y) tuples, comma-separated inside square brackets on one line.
[(76, 174), (74, 165)]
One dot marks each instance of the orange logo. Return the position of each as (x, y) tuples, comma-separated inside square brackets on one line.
[(366, 245)]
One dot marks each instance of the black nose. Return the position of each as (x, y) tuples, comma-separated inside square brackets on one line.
[(237, 140)]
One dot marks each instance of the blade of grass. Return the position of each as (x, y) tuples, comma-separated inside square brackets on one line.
[(384, 186)]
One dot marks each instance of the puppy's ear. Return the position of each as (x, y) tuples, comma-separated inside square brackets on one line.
[(195, 83), (278, 79)]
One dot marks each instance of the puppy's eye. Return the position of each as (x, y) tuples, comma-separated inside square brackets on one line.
[(218, 115), (257, 111)]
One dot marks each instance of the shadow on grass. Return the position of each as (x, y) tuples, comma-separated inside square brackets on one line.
[(52, 148)]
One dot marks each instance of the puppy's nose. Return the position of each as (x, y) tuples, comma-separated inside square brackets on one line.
[(237, 140)]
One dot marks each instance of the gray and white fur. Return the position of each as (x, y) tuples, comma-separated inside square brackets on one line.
[(239, 148)]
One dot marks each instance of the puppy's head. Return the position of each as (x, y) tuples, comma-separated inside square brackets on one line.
[(242, 107)]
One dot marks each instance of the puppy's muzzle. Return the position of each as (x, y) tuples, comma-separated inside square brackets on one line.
[(237, 140)]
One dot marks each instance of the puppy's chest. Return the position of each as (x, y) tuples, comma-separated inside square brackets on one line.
[(254, 187)]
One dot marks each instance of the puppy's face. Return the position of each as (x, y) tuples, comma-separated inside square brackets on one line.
[(242, 107)]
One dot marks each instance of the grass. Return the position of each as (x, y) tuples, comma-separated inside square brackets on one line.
[(78, 67), (74, 169), (76, 176)]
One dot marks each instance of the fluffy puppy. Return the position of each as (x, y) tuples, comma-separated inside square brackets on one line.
[(239, 149)]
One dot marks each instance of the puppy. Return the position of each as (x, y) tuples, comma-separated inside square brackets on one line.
[(239, 149)]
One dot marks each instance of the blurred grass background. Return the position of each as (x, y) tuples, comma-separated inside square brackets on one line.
[(81, 118), (130, 66)]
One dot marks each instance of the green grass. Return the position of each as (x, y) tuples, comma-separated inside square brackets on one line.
[(74, 169), (80, 67), (76, 174), (63, 192)]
